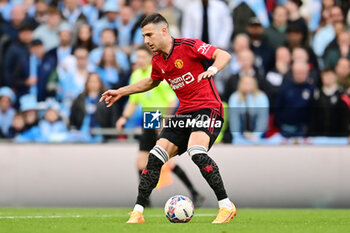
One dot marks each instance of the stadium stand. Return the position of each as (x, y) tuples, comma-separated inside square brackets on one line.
[(49, 49)]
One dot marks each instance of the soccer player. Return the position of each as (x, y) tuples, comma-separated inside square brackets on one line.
[(161, 97), (180, 63)]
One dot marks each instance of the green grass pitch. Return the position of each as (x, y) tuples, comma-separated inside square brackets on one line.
[(64, 220)]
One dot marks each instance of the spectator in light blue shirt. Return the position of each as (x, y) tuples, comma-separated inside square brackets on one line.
[(5, 10), (29, 107), (72, 11), (48, 32), (37, 52), (125, 24), (92, 11), (248, 112), (52, 59), (108, 39), (72, 75), (65, 48), (7, 98), (314, 8), (324, 35), (51, 127), (110, 10), (109, 70), (73, 14)]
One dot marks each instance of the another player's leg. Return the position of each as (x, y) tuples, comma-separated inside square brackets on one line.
[(159, 155), (197, 149)]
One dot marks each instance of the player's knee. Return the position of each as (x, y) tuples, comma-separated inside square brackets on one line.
[(200, 157), (160, 153), (195, 150), (199, 138), (168, 146)]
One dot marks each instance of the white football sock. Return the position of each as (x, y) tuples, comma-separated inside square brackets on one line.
[(138, 208), (225, 203)]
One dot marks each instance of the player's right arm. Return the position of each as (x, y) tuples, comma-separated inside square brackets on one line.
[(112, 96)]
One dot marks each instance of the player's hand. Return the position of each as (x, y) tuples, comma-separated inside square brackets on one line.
[(120, 123), (205, 75), (110, 97)]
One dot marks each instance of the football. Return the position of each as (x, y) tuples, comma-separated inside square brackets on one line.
[(179, 209)]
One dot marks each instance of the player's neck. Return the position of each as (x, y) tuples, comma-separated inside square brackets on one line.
[(168, 46)]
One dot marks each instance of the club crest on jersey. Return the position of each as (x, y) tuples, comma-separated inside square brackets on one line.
[(179, 63), (203, 49)]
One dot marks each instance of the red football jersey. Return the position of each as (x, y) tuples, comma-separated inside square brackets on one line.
[(181, 69)]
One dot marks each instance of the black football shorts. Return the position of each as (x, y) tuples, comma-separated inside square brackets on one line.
[(179, 128)]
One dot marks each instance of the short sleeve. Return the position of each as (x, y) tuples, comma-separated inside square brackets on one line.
[(203, 50), (156, 72)]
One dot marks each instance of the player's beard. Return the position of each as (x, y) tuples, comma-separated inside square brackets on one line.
[(155, 48), (160, 47)]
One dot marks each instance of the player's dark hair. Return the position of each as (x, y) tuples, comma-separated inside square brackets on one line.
[(146, 48), (154, 18)]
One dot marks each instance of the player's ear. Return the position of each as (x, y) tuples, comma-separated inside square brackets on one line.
[(164, 30)]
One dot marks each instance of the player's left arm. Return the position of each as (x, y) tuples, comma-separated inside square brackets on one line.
[(221, 58)]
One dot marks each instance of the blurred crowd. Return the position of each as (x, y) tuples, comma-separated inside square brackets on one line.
[(289, 76)]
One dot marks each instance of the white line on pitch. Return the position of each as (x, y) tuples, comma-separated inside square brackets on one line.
[(96, 216)]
